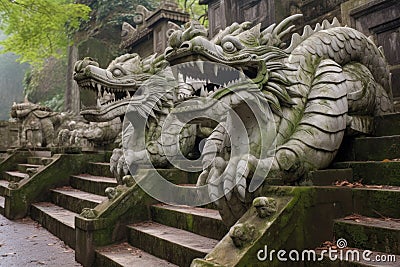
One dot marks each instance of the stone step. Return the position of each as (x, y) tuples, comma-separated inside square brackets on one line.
[(377, 201), (57, 220), (370, 259), (3, 186), (124, 255), (377, 148), (92, 184), (373, 172), (42, 153), (388, 124), (201, 221), (100, 169), (175, 245), (2, 204), (38, 160), (330, 176), (75, 200), (382, 235), (23, 167), (14, 176)]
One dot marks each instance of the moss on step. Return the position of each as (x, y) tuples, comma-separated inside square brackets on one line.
[(130, 205), (36, 188)]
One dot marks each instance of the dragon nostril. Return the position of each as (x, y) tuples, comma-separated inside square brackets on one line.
[(168, 50), (185, 45)]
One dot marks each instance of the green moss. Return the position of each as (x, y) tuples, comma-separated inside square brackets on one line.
[(189, 221)]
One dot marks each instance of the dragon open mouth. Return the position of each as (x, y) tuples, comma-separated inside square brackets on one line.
[(204, 79), (105, 93), (98, 96)]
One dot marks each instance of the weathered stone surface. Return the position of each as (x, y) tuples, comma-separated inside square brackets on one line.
[(373, 172), (100, 169), (92, 184), (9, 135), (377, 202), (379, 19), (330, 176), (377, 148), (370, 233), (387, 125), (75, 200), (58, 221), (201, 221), (23, 167), (36, 188), (124, 255), (15, 176), (2, 205), (3, 186), (178, 246)]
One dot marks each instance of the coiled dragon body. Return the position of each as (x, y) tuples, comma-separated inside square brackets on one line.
[(329, 82)]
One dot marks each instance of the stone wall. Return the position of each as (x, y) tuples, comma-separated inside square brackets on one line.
[(381, 19), (9, 135)]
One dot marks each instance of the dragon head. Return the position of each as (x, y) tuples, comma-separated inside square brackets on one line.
[(105, 93), (241, 51), (21, 110)]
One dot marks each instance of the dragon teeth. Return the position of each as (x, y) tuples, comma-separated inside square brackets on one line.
[(180, 78), (216, 68), (203, 92), (98, 103), (200, 65)]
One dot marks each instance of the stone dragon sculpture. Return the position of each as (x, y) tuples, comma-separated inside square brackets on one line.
[(105, 93), (39, 123), (43, 127), (330, 81), (108, 93)]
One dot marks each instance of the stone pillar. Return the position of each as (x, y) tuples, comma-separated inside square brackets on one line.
[(72, 96)]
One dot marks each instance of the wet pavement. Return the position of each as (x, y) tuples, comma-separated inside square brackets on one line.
[(25, 243)]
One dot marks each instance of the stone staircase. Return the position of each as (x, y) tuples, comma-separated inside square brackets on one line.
[(30, 166), (375, 222), (174, 237), (85, 190)]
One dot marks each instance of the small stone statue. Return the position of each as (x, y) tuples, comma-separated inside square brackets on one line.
[(265, 206), (241, 234)]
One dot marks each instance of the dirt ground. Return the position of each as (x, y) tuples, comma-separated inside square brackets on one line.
[(25, 243)]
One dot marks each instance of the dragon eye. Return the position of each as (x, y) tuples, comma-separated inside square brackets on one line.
[(117, 72), (229, 47)]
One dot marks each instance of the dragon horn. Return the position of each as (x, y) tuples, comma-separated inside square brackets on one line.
[(286, 22), (269, 29)]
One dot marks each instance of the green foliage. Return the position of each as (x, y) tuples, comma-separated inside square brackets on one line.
[(11, 87), (56, 103), (46, 84), (38, 29), (196, 11), (112, 12)]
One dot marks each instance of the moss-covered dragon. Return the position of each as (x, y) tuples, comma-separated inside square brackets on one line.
[(330, 81)]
